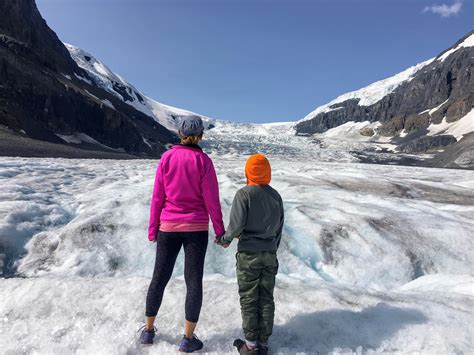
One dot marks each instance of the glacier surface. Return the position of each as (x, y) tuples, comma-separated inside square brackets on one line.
[(374, 259)]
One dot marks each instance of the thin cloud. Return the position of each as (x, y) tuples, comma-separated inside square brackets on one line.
[(445, 10)]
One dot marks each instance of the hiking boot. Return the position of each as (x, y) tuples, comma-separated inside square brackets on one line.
[(190, 345), (147, 335), (243, 349)]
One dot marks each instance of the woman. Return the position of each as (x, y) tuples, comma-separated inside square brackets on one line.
[(185, 194)]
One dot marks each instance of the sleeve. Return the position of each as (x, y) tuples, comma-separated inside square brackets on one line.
[(157, 202), (282, 222), (210, 192), (238, 216)]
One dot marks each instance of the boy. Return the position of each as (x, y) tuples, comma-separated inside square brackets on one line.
[(256, 219)]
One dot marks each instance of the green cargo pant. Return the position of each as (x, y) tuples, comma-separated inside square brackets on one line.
[(256, 273)]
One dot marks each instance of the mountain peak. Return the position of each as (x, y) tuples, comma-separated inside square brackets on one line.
[(22, 22), (466, 41)]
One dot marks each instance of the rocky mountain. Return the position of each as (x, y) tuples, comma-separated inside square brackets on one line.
[(425, 107), (51, 106), (106, 79)]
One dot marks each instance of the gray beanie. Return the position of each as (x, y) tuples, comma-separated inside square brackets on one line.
[(191, 126)]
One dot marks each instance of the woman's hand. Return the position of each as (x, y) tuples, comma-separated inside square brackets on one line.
[(220, 241), (152, 240)]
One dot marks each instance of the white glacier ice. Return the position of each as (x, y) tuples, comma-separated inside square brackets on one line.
[(374, 259)]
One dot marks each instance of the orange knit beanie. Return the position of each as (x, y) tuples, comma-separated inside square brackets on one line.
[(258, 170)]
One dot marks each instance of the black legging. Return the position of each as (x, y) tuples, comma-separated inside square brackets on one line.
[(168, 245)]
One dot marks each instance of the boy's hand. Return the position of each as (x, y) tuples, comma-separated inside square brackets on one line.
[(220, 241)]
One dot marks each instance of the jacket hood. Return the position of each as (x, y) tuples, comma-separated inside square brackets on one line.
[(258, 170)]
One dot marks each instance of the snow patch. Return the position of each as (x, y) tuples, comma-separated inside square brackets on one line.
[(77, 138), (403, 133), (447, 284), (350, 132), (147, 142), (457, 128), (433, 110), (107, 103), (83, 79), (92, 95)]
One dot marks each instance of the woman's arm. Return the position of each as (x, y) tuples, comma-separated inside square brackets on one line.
[(210, 192), (157, 203)]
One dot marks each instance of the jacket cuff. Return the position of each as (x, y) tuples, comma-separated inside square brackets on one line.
[(151, 235), (220, 231)]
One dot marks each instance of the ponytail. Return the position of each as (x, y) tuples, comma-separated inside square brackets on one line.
[(186, 140)]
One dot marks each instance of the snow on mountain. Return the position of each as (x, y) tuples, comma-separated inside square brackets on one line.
[(372, 93), (112, 82), (344, 139), (467, 42), (350, 131), (166, 115)]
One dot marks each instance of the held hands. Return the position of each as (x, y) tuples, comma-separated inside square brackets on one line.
[(220, 241)]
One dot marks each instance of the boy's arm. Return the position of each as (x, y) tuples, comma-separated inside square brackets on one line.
[(282, 221), (238, 216)]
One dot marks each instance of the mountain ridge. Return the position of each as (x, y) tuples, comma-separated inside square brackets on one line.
[(62, 94), (44, 94), (406, 102)]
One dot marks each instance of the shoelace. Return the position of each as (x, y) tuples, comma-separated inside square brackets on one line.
[(143, 327), (193, 337)]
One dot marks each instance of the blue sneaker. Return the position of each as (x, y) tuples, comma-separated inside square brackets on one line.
[(147, 335), (190, 345)]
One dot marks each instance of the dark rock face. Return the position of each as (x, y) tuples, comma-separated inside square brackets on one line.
[(450, 81), (426, 143), (414, 122), (41, 95), (23, 24), (458, 155)]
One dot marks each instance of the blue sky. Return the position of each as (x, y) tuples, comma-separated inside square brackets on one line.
[(257, 60)]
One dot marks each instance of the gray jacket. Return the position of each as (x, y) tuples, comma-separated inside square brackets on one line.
[(257, 217)]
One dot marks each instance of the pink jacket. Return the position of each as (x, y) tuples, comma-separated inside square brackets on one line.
[(186, 190)]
